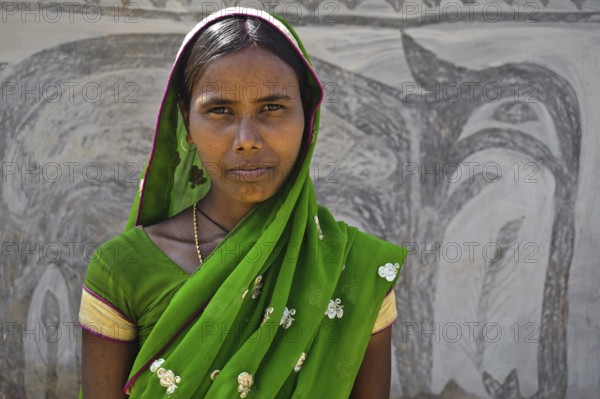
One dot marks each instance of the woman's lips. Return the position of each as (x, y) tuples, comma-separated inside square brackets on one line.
[(252, 174)]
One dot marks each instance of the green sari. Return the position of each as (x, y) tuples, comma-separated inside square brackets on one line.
[(284, 306)]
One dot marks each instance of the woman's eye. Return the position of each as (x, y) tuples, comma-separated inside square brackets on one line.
[(273, 107), (218, 110)]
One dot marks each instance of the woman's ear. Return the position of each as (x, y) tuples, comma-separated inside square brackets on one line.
[(186, 115)]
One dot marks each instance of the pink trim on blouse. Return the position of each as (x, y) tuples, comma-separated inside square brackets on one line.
[(99, 334)]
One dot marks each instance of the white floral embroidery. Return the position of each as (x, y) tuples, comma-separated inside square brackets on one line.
[(156, 364), (335, 309), (300, 362), (268, 312), (245, 381), (319, 231), (167, 378), (257, 287), (286, 318), (389, 271)]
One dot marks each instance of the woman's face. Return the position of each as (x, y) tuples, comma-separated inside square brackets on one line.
[(246, 120)]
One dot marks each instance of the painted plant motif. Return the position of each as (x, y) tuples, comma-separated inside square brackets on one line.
[(43, 288), (442, 143), (381, 112)]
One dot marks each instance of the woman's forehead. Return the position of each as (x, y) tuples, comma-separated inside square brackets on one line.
[(245, 70)]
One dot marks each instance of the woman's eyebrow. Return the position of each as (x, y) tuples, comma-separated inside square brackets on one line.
[(218, 100), (272, 97), (214, 100)]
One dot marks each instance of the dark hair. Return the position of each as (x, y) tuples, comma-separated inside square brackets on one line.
[(229, 35)]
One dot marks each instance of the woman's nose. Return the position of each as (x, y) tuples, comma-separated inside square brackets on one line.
[(247, 135)]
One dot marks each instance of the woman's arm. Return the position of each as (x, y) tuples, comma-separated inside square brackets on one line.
[(373, 379), (106, 366)]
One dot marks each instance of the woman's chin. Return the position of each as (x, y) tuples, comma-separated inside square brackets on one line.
[(253, 193)]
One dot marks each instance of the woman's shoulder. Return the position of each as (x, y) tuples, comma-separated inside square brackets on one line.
[(369, 274), (131, 258), (364, 249), (373, 261), (124, 248), (373, 249), (130, 272)]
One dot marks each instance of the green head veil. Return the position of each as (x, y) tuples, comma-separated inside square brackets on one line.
[(255, 320), (175, 177)]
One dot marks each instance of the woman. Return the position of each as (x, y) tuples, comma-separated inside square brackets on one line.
[(230, 280)]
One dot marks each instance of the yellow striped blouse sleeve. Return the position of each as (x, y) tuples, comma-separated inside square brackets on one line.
[(101, 318), (387, 313)]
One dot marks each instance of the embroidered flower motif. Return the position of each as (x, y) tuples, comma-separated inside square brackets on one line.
[(156, 364), (257, 287), (167, 378), (286, 318), (319, 231), (335, 309), (389, 271), (268, 312), (214, 374), (300, 362), (171, 389), (245, 381)]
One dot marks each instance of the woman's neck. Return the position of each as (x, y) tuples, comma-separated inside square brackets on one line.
[(223, 210)]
